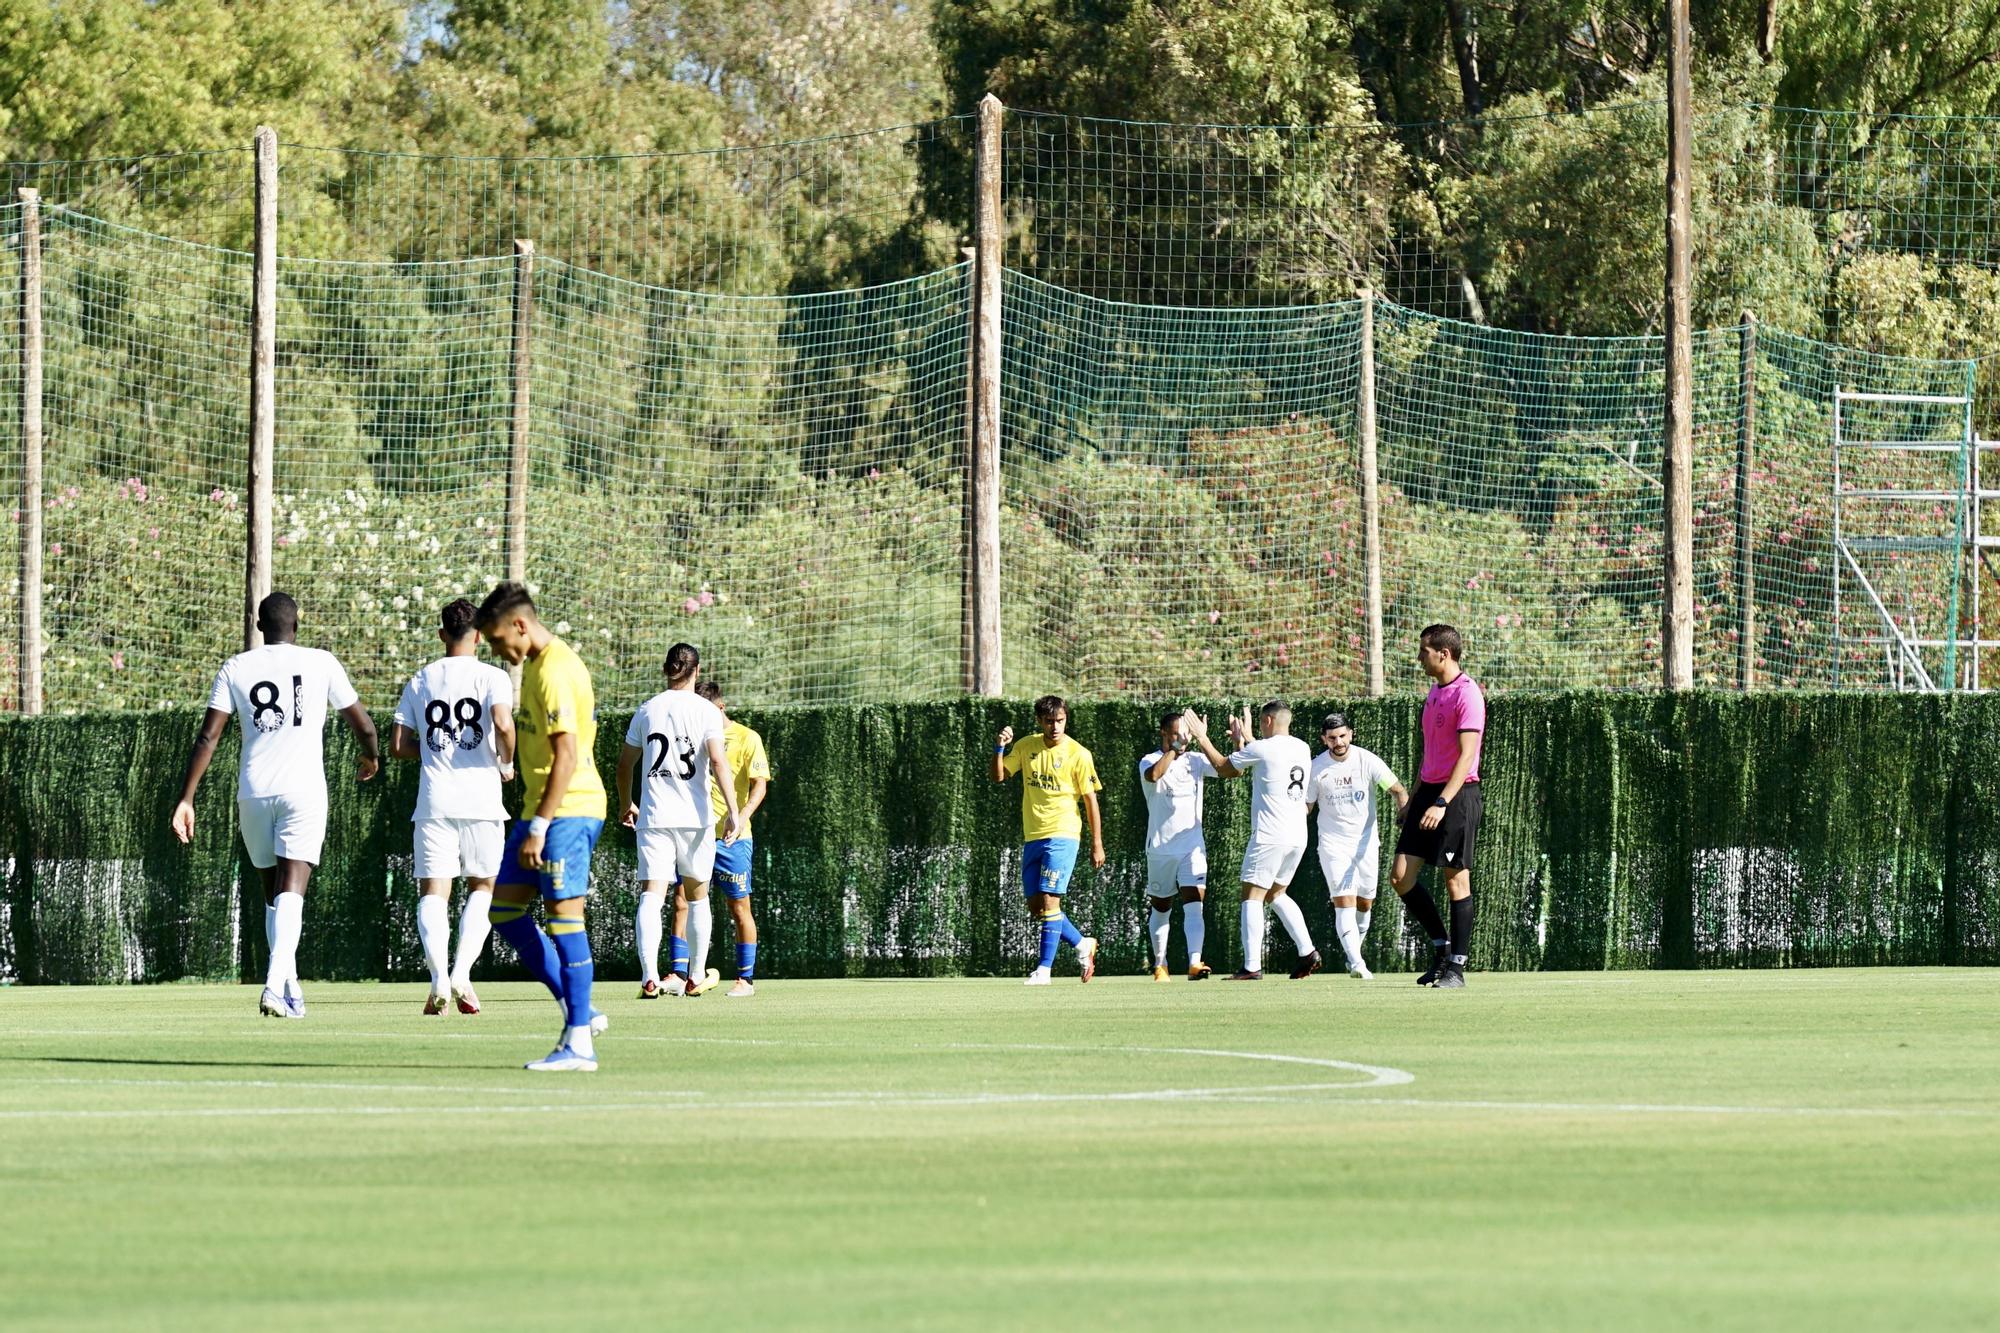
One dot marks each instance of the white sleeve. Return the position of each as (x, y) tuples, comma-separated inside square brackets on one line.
[(339, 693), (1145, 764), (501, 693), (219, 697), (1246, 758), (406, 707), (712, 729), (1198, 765), (635, 731), (1384, 775)]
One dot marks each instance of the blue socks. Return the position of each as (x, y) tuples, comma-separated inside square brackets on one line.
[(518, 928), (572, 945), (1070, 934), (746, 961), (1052, 933), (677, 955)]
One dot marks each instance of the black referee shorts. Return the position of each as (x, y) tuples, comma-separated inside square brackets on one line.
[(1450, 843)]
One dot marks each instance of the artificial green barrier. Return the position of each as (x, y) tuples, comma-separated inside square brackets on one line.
[(1622, 830)]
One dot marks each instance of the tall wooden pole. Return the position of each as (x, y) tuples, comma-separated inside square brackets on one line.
[(987, 237), (263, 372), (30, 654), (1746, 461), (1371, 496), (1677, 612), (968, 637)]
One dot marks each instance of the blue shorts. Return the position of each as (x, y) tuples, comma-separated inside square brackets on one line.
[(566, 850), (732, 868), (1046, 864)]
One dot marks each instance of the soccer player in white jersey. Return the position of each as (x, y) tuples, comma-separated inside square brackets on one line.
[(457, 716), (677, 736), (1278, 764), (1176, 854), (280, 694), (1343, 785)]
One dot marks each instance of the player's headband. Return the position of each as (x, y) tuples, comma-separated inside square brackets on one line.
[(1332, 722)]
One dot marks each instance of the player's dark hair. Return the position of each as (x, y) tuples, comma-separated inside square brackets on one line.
[(1168, 718), (1443, 639), (710, 691), (1048, 706), (1273, 708), (458, 619), (1332, 722), (505, 599), (682, 659), (278, 617)]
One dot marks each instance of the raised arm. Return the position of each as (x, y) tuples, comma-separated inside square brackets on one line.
[(363, 727), (1000, 744), (199, 755), (1198, 728)]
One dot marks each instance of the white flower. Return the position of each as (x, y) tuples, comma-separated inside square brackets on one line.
[(372, 539), (417, 592), (562, 627), (402, 603)]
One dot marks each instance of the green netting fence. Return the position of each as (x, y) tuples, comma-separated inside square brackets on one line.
[(1621, 831), (784, 480)]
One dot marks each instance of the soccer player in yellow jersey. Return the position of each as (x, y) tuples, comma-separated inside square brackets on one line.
[(750, 775), (549, 852), (1056, 773)]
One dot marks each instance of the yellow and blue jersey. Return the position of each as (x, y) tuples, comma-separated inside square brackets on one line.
[(744, 750), (556, 697), (1053, 779)]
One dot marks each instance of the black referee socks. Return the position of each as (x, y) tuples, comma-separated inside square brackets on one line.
[(1419, 904), (1461, 928)]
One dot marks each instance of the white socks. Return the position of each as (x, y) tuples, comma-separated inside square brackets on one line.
[(1162, 923), (286, 916), (1361, 915), (578, 1040), (434, 933), (473, 927), (1253, 936), (647, 930), (1350, 938), (699, 921), (1191, 922), (1294, 921)]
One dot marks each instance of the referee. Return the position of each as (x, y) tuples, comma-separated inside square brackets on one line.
[(1441, 821)]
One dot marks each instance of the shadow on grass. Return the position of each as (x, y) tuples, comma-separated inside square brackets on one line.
[(229, 1064)]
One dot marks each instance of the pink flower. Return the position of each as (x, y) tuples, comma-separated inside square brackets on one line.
[(707, 597), (55, 548), (216, 495), (691, 605), (153, 533), (1500, 622), (873, 473), (1214, 616), (117, 661)]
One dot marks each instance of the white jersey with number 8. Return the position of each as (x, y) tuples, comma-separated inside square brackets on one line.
[(448, 706), (671, 731), (281, 694)]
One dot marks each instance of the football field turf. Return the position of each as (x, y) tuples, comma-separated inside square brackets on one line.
[(1804, 1149)]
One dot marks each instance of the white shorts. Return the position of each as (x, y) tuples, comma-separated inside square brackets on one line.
[(448, 848), (281, 826), (1352, 870), (673, 854), (1269, 866), (1167, 873)]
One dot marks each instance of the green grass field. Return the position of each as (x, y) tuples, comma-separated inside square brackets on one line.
[(1667, 1150)]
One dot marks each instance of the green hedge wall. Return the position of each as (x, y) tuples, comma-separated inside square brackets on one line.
[(1622, 830)]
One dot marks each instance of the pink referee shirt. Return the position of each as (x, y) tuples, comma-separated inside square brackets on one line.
[(1448, 710)]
